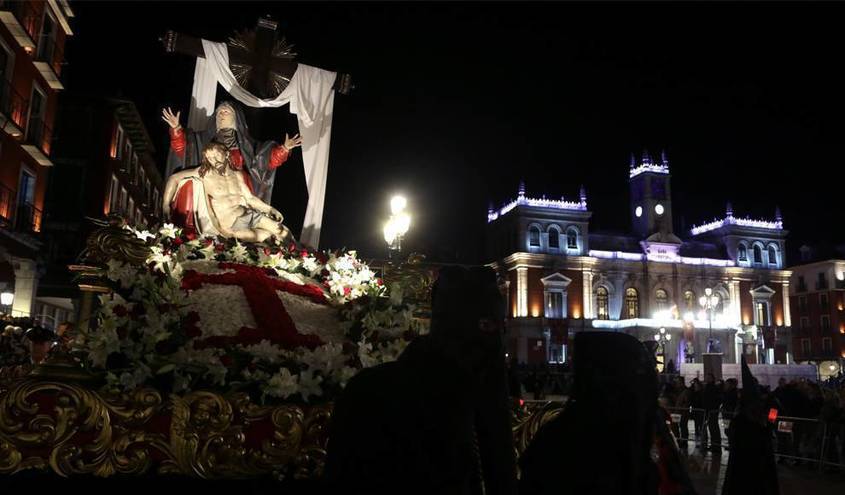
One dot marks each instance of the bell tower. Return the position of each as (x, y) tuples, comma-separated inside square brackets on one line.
[(651, 195)]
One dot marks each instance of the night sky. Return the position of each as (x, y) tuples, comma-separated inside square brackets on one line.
[(455, 104)]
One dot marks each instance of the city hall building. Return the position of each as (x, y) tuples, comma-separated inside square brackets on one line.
[(720, 287)]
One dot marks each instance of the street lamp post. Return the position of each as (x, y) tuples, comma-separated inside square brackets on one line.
[(662, 337), (709, 301), (397, 225)]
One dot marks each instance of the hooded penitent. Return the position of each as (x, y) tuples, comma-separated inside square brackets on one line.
[(600, 444), (437, 420), (751, 465)]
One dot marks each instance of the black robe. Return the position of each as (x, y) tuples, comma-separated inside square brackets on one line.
[(421, 425)]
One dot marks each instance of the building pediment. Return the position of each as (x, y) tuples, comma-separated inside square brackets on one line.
[(556, 280), (762, 291)]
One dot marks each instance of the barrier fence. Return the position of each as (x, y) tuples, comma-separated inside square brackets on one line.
[(801, 440)]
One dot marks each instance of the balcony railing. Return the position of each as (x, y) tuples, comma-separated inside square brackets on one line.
[(39, 134), (821, 284), (51, 52), (12, 104), (28, 218)]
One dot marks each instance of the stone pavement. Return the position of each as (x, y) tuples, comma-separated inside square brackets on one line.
[(707, 470)]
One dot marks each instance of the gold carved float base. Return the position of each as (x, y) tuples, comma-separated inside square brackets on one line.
[(72, 430)]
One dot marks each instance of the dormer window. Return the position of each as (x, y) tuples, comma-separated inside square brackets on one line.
[(554, 238), (534, 236), (742, 253), (571, 238), (773, 255)]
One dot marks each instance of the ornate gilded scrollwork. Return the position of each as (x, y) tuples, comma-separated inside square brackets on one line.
[(114, 242), (528, 419), (416, 277), (73, 430)]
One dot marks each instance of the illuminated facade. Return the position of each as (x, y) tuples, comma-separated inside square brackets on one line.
[(32, 43), (561, 278), (104, 164), (818, 305)]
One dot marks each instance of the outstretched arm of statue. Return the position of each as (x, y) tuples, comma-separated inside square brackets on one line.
[(280, 153), (256, 204), (177, 134)]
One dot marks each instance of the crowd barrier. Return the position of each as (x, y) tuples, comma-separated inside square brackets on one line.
[(800, 440)]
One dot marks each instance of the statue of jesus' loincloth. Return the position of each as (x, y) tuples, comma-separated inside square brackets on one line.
[(213, 199)]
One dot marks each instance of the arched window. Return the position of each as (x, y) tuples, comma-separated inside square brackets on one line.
[(602, 309), (554, 238), (742, 253), (758, 254), (773, 255), (534, 236), (662, 299), (571, 238), (632, 303), (689, 301)]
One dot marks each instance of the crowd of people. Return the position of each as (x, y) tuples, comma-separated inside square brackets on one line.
[(25, 342), (815, 414)]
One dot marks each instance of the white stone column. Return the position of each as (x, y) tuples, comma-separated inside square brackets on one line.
[(508, 297), (26, 284), (787, 316), (736, 304), (521, 291), (588, 294)]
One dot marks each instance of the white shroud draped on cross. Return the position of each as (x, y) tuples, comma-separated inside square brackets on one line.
[(311, 99)]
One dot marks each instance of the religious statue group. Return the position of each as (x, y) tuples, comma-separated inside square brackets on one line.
[(223, 179)]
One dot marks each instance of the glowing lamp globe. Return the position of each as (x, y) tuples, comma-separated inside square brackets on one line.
[(398, 204), (7, 298), (403, 223), (390, 233)]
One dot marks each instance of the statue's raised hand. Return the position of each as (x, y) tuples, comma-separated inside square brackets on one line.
[(171, 119), (292, 142)]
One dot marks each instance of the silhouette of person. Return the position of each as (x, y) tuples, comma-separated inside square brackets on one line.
[(436, 421)]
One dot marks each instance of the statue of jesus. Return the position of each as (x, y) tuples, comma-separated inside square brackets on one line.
[(257, 161), (213, 199)]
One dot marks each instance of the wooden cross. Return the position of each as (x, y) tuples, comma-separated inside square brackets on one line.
[(261, 62)]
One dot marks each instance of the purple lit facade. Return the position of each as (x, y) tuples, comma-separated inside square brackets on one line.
[(561, 278)]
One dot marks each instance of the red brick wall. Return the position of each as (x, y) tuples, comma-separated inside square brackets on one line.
[(777, 304), (746, 304), (535, 292), (575, 294)]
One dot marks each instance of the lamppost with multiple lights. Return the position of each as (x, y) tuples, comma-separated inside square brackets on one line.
[(709, 301), (662, 338), (397, 226)]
